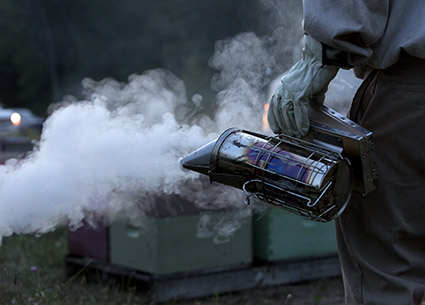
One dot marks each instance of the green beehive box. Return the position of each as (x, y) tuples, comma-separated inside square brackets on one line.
[(281, 235), (165, 245)]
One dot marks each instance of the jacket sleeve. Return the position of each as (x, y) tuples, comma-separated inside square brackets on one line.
[(347, 29)]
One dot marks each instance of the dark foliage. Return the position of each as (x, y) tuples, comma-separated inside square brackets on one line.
[(49, 46)]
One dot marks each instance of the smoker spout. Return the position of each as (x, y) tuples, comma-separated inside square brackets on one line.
[(199, 160)]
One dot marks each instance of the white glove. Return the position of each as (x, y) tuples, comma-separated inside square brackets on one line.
[(307, 80)]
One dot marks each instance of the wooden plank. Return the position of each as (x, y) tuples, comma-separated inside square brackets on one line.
[(238, 280), (165, 288)]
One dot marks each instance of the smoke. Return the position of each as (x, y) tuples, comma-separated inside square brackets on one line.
[(341, 91), (125, 138), (115, 152)]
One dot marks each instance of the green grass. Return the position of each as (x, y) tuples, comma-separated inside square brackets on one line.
[(32, 271)]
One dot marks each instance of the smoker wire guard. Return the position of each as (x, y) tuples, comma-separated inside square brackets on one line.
[(312, 209)]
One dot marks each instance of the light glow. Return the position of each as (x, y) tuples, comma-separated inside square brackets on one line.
[(15, 118), (266, 126)]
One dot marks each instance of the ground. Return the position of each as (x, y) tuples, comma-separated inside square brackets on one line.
[(32, 271)]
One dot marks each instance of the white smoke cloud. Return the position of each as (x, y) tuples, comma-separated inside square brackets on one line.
[(341, 91), (126, 138), (112, 153), (96, 156)]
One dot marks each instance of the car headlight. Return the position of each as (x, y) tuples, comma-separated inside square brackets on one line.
[(15, 118)]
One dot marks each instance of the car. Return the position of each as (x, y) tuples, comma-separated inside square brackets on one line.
[(19, 129)]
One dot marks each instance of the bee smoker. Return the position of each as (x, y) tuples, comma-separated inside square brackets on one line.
[(312, 177)]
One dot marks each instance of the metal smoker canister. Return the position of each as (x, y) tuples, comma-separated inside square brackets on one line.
[(302, 177)]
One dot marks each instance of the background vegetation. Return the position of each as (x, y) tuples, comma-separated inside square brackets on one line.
[(48, 46)]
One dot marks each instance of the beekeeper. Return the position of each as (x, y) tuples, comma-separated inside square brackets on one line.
[(381, 238)]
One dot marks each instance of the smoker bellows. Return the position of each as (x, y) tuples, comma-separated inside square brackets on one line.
[(312, 177)]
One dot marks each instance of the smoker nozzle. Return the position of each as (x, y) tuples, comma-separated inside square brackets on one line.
[(199, 160)]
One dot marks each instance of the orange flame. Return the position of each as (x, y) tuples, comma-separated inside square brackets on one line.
[(266, 127)]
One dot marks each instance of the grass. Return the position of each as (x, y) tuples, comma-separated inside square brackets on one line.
[(32, 272)]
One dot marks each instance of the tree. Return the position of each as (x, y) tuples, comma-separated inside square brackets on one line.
[(49, 46)]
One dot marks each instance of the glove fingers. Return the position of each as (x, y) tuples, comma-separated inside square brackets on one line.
[(279, 108), (302, 122), (288, 117)]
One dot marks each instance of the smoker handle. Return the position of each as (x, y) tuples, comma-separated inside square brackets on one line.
[(248, 194)]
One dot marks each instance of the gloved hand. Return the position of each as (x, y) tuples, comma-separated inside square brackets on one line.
[(306, 81)]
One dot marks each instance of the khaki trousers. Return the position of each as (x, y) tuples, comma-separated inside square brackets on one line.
[(381, 238)]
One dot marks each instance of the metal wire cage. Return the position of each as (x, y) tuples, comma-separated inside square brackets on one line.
[(301, 177)]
